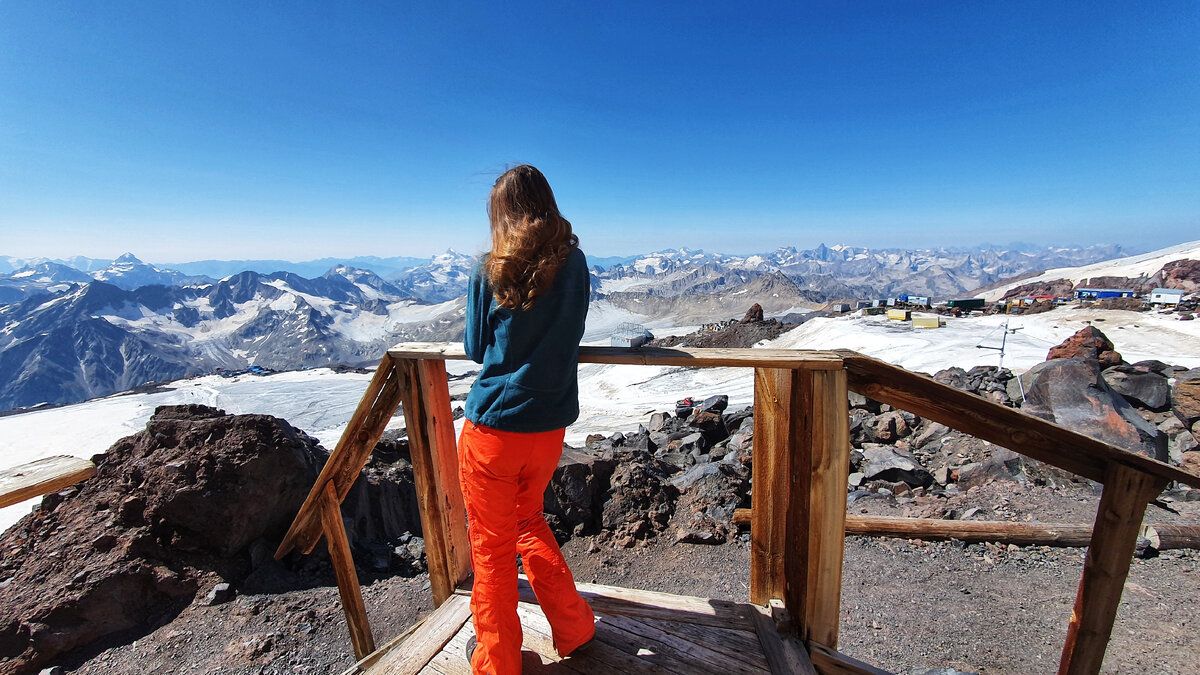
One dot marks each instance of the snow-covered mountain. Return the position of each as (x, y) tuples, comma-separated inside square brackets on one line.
[(66, 336), (128, 272), (96, 339), (830, 273), (443, 278)]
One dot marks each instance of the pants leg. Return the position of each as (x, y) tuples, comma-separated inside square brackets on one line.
[(489, 477), (571, 620)]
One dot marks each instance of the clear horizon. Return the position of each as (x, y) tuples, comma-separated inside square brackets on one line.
[(227, 131)]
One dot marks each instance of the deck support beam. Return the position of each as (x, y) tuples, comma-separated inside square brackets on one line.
[(347, 578), (801, 436), (430, 423), (1123, 502)]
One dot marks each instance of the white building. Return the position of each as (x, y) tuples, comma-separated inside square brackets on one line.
[(1166, 296)]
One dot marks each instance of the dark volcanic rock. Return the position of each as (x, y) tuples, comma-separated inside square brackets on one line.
[(709, 494), (170, 510), (1072, 393), (575, 497), (641, 498), (754, 314), (1140, 385), (1087, 343)]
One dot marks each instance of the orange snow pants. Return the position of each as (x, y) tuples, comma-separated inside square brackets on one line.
[(504, 477)]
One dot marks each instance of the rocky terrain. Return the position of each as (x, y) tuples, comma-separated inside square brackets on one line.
[(164, 558)]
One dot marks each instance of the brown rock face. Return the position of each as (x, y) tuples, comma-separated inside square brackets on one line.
[(1089, 343), (169, 510), (1185, 398), (754, 314), (1183, 274)]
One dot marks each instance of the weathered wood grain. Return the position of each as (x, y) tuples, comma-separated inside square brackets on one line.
[(783, 654), (347, 578), (413, 654), (42, 476), (775, 441), (1119, 517)]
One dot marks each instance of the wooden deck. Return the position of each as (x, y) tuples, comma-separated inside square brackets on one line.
[(636, 632)]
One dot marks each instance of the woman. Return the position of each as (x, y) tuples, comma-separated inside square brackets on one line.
[(526, 306)]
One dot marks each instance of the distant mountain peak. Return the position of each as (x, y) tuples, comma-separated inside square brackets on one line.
[(127, 258)]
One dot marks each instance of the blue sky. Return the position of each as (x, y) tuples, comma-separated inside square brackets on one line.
[(182, 131)]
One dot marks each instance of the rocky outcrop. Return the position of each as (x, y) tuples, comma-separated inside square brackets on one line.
[(197, 499), (1088, 343), (169, 510), (1072, 393)]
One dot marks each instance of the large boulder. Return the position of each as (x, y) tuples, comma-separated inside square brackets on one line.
[(1140, 385), (641, 498), (1072, 393), (1087, 343), (576, 494), (171, 510), (1185, 399), (708, 495)]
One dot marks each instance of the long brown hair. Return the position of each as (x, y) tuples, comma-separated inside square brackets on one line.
[(530, 238)]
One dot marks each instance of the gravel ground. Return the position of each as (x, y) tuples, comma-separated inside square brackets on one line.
[(907, 605)]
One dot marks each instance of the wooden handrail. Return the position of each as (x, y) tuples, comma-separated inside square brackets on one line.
[(655, 356)]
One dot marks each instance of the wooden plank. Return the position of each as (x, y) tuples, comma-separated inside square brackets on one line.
[(673, 652), (364, 430), (347, 578), (633, 602), (774, 441), (422, 436), (979, 417), (1114, 538), (42, 476), (785, 656), (655, 356), (414, 653), (623, 652), (823, 486), (735, 643), (365, 664), (538, 637), (832, 662), (439, 420), (971, 531)]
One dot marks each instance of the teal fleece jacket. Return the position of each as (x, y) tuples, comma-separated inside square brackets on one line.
[(530, 357)]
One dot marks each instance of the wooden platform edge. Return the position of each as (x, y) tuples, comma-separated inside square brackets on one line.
[(832, 662), (785, 655), (41, 477), (409, 655)]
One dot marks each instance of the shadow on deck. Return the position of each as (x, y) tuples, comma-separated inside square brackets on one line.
[(636, 632)]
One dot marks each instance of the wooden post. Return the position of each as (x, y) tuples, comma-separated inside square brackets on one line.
[(347, 578), (801, 460), (444, 450), (774, 440), (1114, 537), (429, 430), (826, 449)]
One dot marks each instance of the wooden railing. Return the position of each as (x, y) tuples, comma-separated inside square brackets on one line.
[(801, 460)]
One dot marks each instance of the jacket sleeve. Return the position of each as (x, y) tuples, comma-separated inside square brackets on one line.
[(477, 334)]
